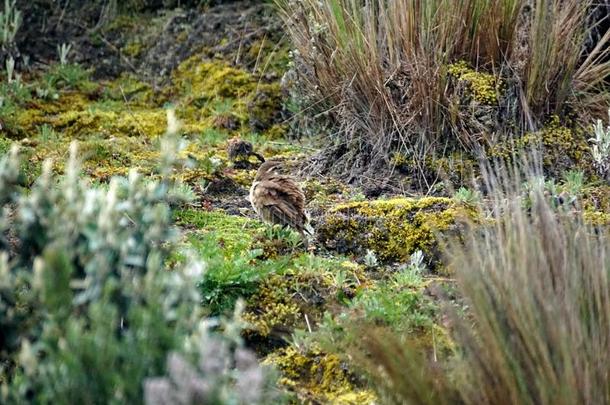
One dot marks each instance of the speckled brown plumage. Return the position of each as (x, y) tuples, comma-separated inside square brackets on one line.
[(278, 199), (238, 149)]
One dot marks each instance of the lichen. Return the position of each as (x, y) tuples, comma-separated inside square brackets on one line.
[(483, 86), (392, 229)]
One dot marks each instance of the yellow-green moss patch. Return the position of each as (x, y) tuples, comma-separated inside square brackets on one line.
[(563, 148), (211, 80), (483, 86), (299, 296), (318, 377), (207, 84)]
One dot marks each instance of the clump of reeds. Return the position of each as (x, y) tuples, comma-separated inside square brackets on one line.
[(536, 324), (380, 68)]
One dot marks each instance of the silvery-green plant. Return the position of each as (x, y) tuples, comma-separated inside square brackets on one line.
[(410, 274), (370, 259), (10, 21), (10, 69), (85, 295), (600, 148), (62, 51), (215, 369), (467, 196), (416, 260)]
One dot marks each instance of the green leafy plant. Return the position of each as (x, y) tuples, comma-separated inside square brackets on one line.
[(229, 275), (67, 76), (574, 181)]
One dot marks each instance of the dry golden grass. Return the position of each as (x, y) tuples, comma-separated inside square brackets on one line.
[(380, 67)]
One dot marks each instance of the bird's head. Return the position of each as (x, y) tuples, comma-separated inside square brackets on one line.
[(238, 148), (270, 167)]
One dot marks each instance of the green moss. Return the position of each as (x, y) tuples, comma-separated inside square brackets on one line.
[(264, 106), (324, 191), (393, 229), (277, 131), (205, 84), (128, 89), (318, 377), (133, 49), (400, 161), (483, 86), (144, 123), (243, 177), (597, 218), (5, 145), (596, 198), (455, 167), (273, 308), (268, 56), (232, 232)]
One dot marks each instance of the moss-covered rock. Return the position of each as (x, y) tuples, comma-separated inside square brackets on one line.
[(299, 296), (265, 107), (247, 99), (392, 229), (318, 377), (563, 148)]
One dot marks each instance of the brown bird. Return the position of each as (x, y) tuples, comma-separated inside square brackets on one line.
[(240, 150), (278, 199)]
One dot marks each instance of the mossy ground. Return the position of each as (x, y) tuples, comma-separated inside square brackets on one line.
[(358, 270)]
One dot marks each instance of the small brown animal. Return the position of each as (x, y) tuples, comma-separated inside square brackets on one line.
[(239, 150), (278, 199)]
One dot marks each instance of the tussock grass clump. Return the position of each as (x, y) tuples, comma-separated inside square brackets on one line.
[(382, 69), (536, 289)]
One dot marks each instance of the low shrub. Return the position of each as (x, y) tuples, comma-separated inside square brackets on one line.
[(89, 307)]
